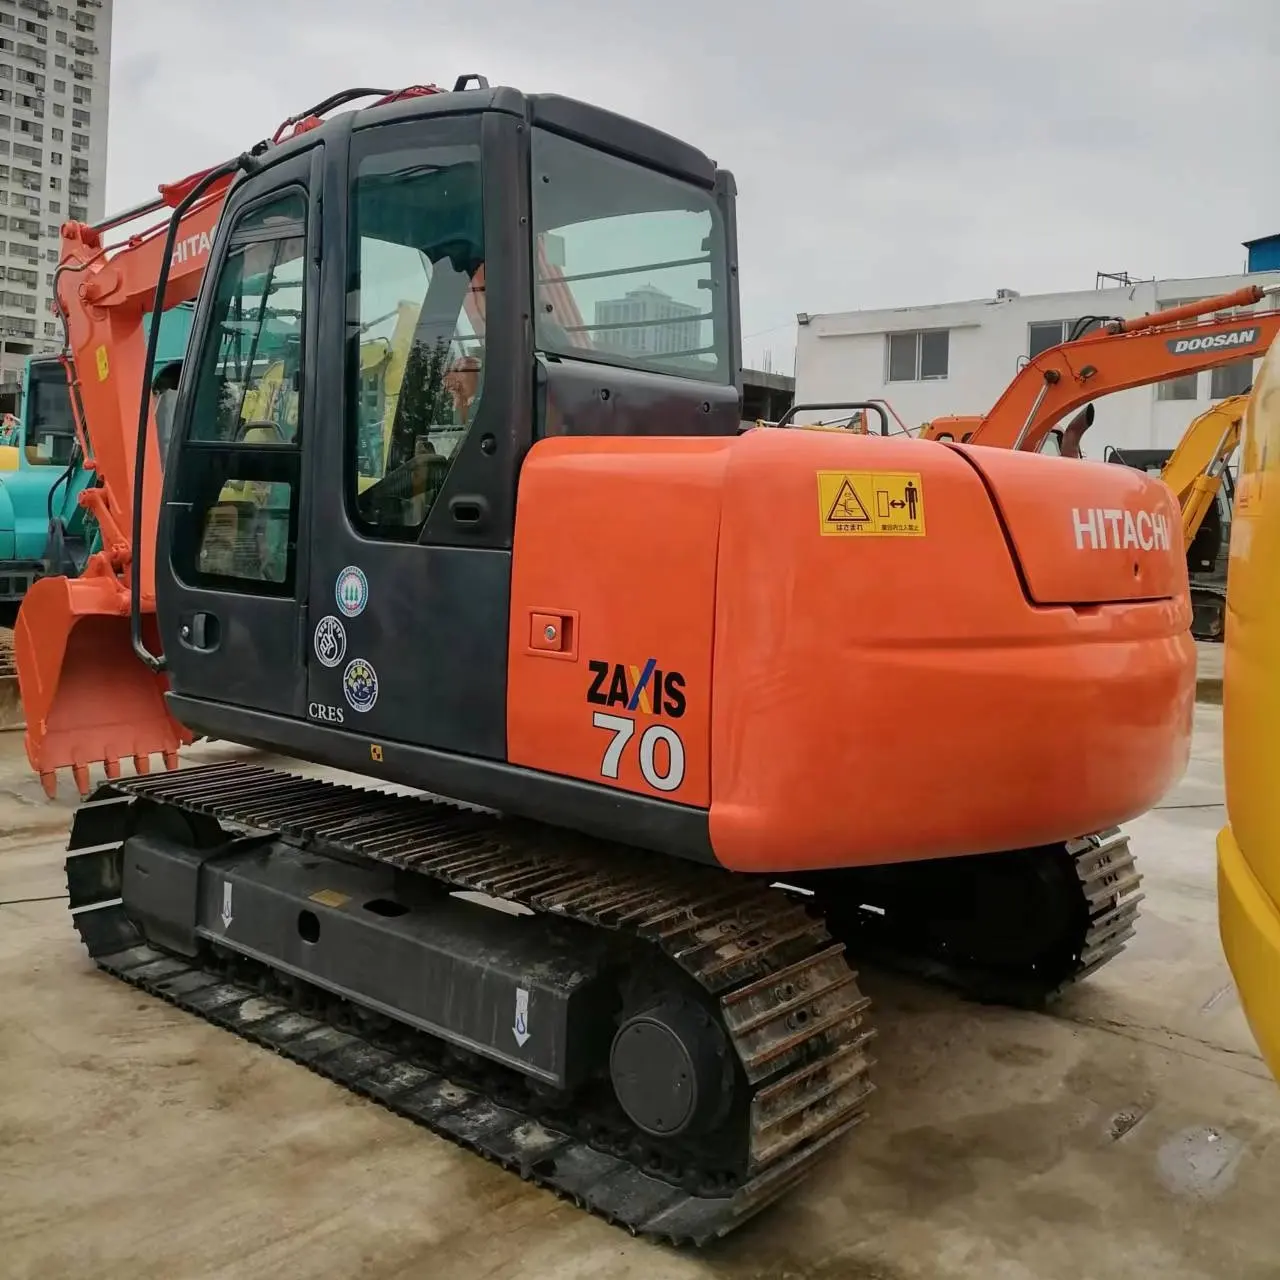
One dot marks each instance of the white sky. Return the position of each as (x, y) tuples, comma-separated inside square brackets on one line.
[(887, 153)]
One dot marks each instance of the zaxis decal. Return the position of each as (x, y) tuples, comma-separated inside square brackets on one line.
[(647, 689)]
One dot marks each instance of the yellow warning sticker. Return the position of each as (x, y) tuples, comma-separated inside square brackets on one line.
[(329, 898), (870, 503), (101, 356)]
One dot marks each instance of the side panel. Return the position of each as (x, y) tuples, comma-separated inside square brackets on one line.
[(856, 670), (612, 612)]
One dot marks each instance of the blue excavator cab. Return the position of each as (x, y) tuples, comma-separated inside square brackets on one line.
[(43, 527)]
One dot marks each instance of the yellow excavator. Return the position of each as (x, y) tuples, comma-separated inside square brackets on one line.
[(1197, 470), (1249, 845)]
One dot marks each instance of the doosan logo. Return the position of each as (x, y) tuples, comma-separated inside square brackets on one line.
[(1212, 341)]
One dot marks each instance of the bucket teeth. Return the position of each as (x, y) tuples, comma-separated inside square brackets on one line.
[(81, 773)]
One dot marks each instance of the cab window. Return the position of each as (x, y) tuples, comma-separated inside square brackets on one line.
[(630, 265), (415, 356), (240, 469)]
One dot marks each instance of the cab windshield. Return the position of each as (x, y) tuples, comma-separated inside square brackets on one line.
[(50, 433), (630, 266)]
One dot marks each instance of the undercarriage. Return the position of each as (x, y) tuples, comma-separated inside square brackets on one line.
[(672, 1046)]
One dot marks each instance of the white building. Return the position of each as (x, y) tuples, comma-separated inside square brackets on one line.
[(958, 357), (55, 64)]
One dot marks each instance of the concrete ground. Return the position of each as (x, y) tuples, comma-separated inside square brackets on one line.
[(1133, 1133)]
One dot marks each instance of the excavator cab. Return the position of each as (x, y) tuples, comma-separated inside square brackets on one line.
[(496, 222)]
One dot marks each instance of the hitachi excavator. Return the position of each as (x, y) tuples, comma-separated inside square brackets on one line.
[(665, 671)]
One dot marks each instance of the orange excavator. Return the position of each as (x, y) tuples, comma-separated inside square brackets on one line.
[(1116, 356), (664, 669)]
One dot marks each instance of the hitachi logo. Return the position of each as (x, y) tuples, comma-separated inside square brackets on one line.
[(1146, 529), (1212, 341), (196, 246)]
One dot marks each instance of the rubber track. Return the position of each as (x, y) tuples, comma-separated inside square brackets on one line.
[(786, 996)]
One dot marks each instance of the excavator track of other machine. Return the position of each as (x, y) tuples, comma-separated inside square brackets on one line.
[(215, 889)]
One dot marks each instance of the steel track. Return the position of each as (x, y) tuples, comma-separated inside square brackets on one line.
[(785, 996)]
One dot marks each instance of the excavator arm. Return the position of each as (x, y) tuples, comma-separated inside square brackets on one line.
[(1124, 354), (85, 696), (1195, 467)]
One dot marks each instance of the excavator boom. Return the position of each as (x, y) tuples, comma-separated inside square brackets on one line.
[(1127, 353)]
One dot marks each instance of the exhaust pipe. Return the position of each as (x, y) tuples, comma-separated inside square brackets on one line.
[(1074, 429)]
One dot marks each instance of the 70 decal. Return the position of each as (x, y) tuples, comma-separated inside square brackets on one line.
[(623, 729)]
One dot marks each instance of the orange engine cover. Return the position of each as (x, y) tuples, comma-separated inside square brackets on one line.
[(851, 650)]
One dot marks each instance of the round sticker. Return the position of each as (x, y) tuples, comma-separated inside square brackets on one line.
[(331, 640), (360, 685), (352, 591)]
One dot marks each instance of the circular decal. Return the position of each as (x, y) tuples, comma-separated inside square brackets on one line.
[(331, 640), (352, 591), (360, 685)]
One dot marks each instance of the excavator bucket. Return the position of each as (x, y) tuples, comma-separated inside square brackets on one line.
[(86, 696)]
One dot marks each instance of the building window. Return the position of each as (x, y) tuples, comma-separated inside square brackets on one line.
[(1231, 380), (59, 86), (1043, 334), (920, 355), (1186, 387)]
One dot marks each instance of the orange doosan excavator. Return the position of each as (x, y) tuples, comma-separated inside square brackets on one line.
[(1112, 355), (674, 678)]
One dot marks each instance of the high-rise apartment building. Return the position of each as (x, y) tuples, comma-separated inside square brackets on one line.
[(651, 323), (55, 62)]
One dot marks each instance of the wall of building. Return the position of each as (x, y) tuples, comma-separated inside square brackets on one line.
[(55, 62), (845, 355)]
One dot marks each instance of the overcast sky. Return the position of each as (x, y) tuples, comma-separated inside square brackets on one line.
[(887, 153)]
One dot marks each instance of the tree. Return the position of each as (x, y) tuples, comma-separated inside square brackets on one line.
[(424, 401)]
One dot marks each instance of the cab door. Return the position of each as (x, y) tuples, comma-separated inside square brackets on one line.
[(232, 598), (424, 420)]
